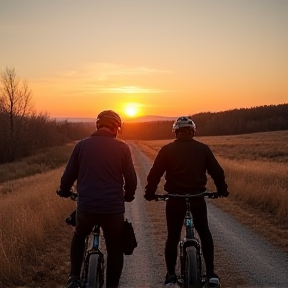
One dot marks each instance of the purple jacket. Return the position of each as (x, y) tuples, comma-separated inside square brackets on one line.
[(103, 168)]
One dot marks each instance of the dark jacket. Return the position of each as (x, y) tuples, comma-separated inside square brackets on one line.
[(185, 162), (103, 168)]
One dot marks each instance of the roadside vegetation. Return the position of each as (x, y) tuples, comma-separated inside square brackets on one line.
[(43, 161), (32, 216), (255, 166)]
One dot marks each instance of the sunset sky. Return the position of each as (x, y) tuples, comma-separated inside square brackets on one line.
[(158, 57)]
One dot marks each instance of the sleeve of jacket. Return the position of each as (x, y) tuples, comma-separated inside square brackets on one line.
[(129, 174), (156, 172), (70, 174), (215, 171)]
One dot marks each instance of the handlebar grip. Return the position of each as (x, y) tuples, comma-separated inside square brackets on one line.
[(67, 194), (62, 193), (73, 196)]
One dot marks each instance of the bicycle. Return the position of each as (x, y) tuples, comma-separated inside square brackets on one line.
[(189, 247), (92, 271)]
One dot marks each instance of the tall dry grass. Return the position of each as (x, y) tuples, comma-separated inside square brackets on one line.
[(29, 216), (255, 165), (30, 210), (260, 184)]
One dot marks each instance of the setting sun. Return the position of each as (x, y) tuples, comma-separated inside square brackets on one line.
[(131, 109)]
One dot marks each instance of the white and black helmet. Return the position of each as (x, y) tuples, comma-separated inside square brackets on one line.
[(184, 122)]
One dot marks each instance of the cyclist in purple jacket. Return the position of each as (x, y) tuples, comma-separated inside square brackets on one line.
[(105, 174), (185, 162)]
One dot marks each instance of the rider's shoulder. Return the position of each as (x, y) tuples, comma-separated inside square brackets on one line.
[(121, 143)]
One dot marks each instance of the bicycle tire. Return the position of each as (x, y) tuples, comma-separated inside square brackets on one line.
[(192, 275), (94, 272)]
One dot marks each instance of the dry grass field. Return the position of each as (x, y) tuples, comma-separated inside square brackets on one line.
[(31, 214), (256, 169), (265, 146), (30, 219), (255, 165)]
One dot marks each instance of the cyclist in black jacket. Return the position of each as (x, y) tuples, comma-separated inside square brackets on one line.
[(185, 162), (105, 174)]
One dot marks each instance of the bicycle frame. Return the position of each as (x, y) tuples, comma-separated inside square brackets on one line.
[(92, 270), (190, 239), (91, 248), (93, 239)]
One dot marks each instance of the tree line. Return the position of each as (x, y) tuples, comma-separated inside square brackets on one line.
[(23, 131), (231, 122)]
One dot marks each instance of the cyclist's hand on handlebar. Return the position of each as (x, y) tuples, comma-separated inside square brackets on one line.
[(223, 193), (64, 193), (150, 197), (128, 198)]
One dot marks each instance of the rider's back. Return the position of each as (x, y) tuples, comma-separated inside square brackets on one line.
[(186, 162), (102, 161)]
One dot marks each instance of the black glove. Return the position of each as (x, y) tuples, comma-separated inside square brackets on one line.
[(223, 193), (64, 193), (150, 197), (128, 198)]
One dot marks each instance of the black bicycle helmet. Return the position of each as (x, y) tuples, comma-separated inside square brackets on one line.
[(108, 118)]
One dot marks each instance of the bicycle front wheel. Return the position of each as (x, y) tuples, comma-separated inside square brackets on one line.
[(94, 272), (192, 276)]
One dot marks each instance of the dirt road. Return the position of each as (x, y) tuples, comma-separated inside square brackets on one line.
[(242, 259)]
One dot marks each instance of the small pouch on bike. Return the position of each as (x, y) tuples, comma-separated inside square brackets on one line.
[(129, 238)]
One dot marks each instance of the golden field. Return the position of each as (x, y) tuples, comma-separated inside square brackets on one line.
[(29, 218), (32, 215), (255, 165)]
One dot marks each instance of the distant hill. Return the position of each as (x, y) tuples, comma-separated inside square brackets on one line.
[(150, 118), (146, 118), (73, 120)]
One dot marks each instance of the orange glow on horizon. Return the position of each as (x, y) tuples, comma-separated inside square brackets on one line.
[(72, 98), (131, 109), (226, 65)]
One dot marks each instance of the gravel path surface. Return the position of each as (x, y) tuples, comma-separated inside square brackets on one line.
[(261, 263), (242, 259)]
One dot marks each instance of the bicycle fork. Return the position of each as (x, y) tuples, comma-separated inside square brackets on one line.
[(92, 247), (189, 241), (184, 244)]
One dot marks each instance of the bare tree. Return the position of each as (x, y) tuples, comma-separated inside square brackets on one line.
[(15, 104)]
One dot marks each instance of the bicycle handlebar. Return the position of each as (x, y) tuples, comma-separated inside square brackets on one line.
[(209, 194), (73, 195)]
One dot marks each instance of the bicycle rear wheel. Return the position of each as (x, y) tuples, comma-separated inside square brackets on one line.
[(94, 271), (192, 276)]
